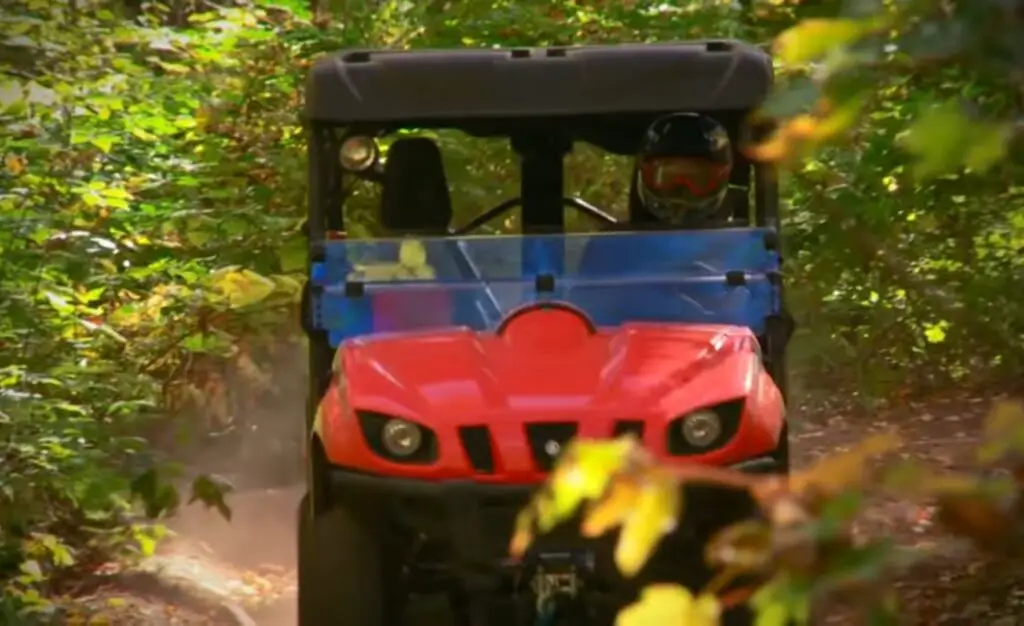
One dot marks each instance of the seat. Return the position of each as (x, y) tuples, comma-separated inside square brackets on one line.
[(415, 199), (416, 202)]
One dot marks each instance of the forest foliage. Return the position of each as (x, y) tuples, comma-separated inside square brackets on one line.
[(802, 550), (153, 186)]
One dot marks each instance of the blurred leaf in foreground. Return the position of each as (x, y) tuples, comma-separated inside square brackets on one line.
[(583, 472), (745, 547), (1004, 433), (813, 38), (625, 486), (653, 514), (782, 601), (841, 471), (944, 138), (671, 604)]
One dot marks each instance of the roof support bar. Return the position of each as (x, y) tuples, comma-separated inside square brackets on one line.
[(542, 181)]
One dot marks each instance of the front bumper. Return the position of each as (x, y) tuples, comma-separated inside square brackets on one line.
[(473, 521), (345, 481)]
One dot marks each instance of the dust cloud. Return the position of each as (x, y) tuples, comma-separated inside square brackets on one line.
[(249, 561)]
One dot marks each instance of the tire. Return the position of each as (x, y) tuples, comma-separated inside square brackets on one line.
[(782, 452), (340, 570)]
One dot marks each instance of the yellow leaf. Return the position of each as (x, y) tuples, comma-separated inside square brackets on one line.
[(553, 507), (318, 421), (775, 149), (611, 510), (655, 514), (670, 605), (813, 38), (15, 164), (802, 126), (522, 536), (412, 265), (412, 253), (837, 120), (243, 287), (583, 473), (934, 333)]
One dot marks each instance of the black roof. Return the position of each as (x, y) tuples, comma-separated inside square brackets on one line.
[(378, 86)]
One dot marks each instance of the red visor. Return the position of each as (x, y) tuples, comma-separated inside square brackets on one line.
[(668, 174)]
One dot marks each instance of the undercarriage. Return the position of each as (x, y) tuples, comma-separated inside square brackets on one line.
[(445, 545)]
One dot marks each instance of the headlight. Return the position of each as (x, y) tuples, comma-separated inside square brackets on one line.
[(701, 428), (397, 439), (401, 438), (358, 153), (704, 429)]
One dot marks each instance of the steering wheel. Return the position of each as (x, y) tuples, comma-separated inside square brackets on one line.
[(580, 205)]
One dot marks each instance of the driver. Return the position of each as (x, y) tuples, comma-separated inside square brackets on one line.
[(682, 176), (682, 173)]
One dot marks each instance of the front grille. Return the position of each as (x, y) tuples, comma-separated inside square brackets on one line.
[(476, 441), (546, 439), (629, 427)]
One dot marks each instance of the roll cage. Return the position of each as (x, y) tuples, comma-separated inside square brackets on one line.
[(543, 101)]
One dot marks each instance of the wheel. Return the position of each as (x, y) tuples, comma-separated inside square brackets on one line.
[(340, 572)]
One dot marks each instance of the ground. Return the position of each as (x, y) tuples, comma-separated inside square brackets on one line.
[(242, 573)]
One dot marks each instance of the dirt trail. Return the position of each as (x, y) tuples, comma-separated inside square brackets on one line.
[(257, 550), (250, 562)]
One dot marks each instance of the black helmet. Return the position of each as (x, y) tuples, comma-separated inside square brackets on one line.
[(683, 168)]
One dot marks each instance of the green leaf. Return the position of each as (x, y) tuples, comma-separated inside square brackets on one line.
[(935, 333), (144, 135), (60, 553), (11, 94), (937, 138), (212, 491), (104, 142), (292, 255), (59, 303), (988, 146), (218, 343), (813, 38), (774, 614)]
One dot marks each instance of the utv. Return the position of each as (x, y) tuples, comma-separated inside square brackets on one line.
[(448, 369)]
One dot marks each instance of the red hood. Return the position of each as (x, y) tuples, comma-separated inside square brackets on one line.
[(548, 364)]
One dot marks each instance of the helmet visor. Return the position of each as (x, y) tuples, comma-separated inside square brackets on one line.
[(672, 177)]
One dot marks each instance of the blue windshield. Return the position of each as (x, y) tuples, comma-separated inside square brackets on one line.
[(394, 285)]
